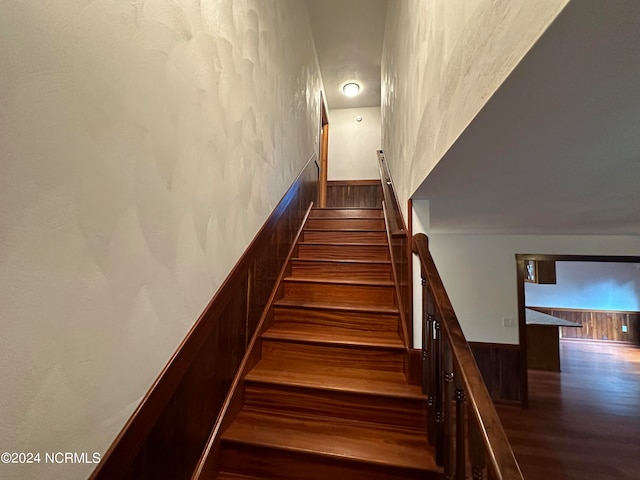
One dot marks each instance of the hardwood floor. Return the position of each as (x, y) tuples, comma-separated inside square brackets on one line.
[(584, 422)]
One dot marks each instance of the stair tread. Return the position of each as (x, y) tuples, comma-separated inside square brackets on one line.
[(365, 443), (328, 377), (334, 335), (328, 209), (340, 210), (341, 281), (285, 302), (341, 261), (340, 244), (332, 229)]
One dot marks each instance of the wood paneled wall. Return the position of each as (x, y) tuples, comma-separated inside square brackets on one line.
[(598, 324), (165, 436), (354, 193), (500, 367)]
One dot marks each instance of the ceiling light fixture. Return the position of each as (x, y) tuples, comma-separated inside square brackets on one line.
[(351, 89)]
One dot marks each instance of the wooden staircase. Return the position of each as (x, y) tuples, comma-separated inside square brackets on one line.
[(329, 398)]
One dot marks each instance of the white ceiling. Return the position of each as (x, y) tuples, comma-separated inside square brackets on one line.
[(348, 35), (556, 150)]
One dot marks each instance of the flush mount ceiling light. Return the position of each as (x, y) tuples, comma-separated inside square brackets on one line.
[(351, 89)]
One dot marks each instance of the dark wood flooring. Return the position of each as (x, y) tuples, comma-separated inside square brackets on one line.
[(582, 423)]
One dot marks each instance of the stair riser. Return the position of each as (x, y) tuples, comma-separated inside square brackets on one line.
[(349, 271), (268, 462), (338, 236), (384, 359), (339, 294), (345, 223), (395, 413), (344, 252), (378, 322), (347, 213)]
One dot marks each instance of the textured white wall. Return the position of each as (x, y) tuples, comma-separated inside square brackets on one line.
[(441, 62), (589, 285), (143, 145), (353, 145), (479, 273)]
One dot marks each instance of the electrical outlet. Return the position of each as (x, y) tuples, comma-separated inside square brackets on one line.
[(507, 322), (625, 329)]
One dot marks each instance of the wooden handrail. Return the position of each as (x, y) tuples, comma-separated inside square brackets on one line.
[(448, 359), (400, 251), (396, 223)]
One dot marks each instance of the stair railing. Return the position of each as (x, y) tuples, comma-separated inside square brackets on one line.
[(461, 418), (396, 226), (399, 249)]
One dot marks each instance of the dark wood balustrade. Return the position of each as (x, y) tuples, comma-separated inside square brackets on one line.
[(462, 422)]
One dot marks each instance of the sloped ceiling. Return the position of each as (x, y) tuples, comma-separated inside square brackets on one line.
[(556, 150), (348, 35)]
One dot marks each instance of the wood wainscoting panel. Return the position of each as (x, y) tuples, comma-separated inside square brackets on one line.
[(500, 367), (413, 366), (598, 325), (173, 447), (354, 193), (167, 433)]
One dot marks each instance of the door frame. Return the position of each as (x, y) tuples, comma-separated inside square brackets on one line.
[(324, 153)]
